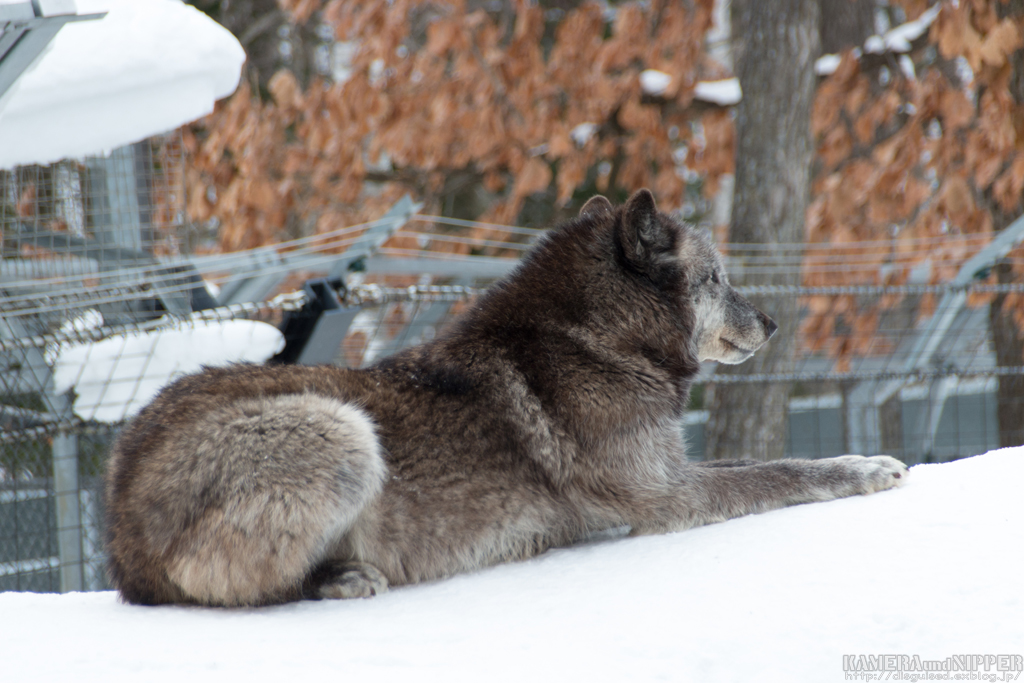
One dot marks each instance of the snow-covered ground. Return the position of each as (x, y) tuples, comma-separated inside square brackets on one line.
[(932, 569)]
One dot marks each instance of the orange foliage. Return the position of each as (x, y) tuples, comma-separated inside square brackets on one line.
[(916, 165), (478, 96)]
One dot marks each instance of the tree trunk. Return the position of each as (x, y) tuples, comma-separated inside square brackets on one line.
[(1009, 347), (1007, 337), (776, 45), (262, 28), (845, 24)]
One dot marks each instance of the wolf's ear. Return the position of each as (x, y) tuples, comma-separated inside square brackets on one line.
[(596, 206), (641, 233)]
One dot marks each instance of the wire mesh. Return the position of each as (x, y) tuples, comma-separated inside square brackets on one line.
[(32, 532), (69, 234)]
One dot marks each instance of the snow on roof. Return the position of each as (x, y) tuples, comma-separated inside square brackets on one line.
[(931, 569), (149, 66)]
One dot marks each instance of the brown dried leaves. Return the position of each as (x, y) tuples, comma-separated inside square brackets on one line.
[(915, 165), (478, 96)]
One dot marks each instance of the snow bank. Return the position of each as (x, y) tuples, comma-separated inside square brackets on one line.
[(115, 378), (149, 66), (931, 569)]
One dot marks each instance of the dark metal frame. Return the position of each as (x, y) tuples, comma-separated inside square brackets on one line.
[(26, 28)]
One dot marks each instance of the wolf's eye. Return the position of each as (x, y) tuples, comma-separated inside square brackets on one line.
[(714, 277)]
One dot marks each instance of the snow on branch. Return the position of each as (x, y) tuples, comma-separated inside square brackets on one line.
[(897, 40)]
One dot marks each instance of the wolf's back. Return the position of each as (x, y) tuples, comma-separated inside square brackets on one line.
[(237, 506)]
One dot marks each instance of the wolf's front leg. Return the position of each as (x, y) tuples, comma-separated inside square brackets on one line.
[(716, 491)]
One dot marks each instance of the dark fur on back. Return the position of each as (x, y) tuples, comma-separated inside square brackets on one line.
[(550, 410)]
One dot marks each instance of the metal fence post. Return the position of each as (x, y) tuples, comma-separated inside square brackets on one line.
[(69, 518), (67, 499)]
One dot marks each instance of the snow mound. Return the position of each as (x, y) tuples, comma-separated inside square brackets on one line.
[(115, 378), (931, 569), (149, 66)]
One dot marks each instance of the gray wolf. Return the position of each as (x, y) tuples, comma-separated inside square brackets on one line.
[(550, 410)]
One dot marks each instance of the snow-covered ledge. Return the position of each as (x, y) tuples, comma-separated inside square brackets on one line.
[(149, 66)]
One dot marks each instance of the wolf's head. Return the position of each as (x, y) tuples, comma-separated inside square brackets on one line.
[(726, 327)]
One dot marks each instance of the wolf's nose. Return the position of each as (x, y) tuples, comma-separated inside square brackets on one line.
[(770, 327)]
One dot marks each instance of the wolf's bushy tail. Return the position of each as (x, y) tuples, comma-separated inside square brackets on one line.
[(239, 507)]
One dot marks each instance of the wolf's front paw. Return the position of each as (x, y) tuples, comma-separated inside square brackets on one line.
[(879, 472)]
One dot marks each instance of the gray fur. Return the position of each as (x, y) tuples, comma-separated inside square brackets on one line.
[(551, 410)]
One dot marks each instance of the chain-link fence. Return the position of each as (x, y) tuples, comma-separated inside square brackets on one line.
[(68, 231), (51, 527)]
